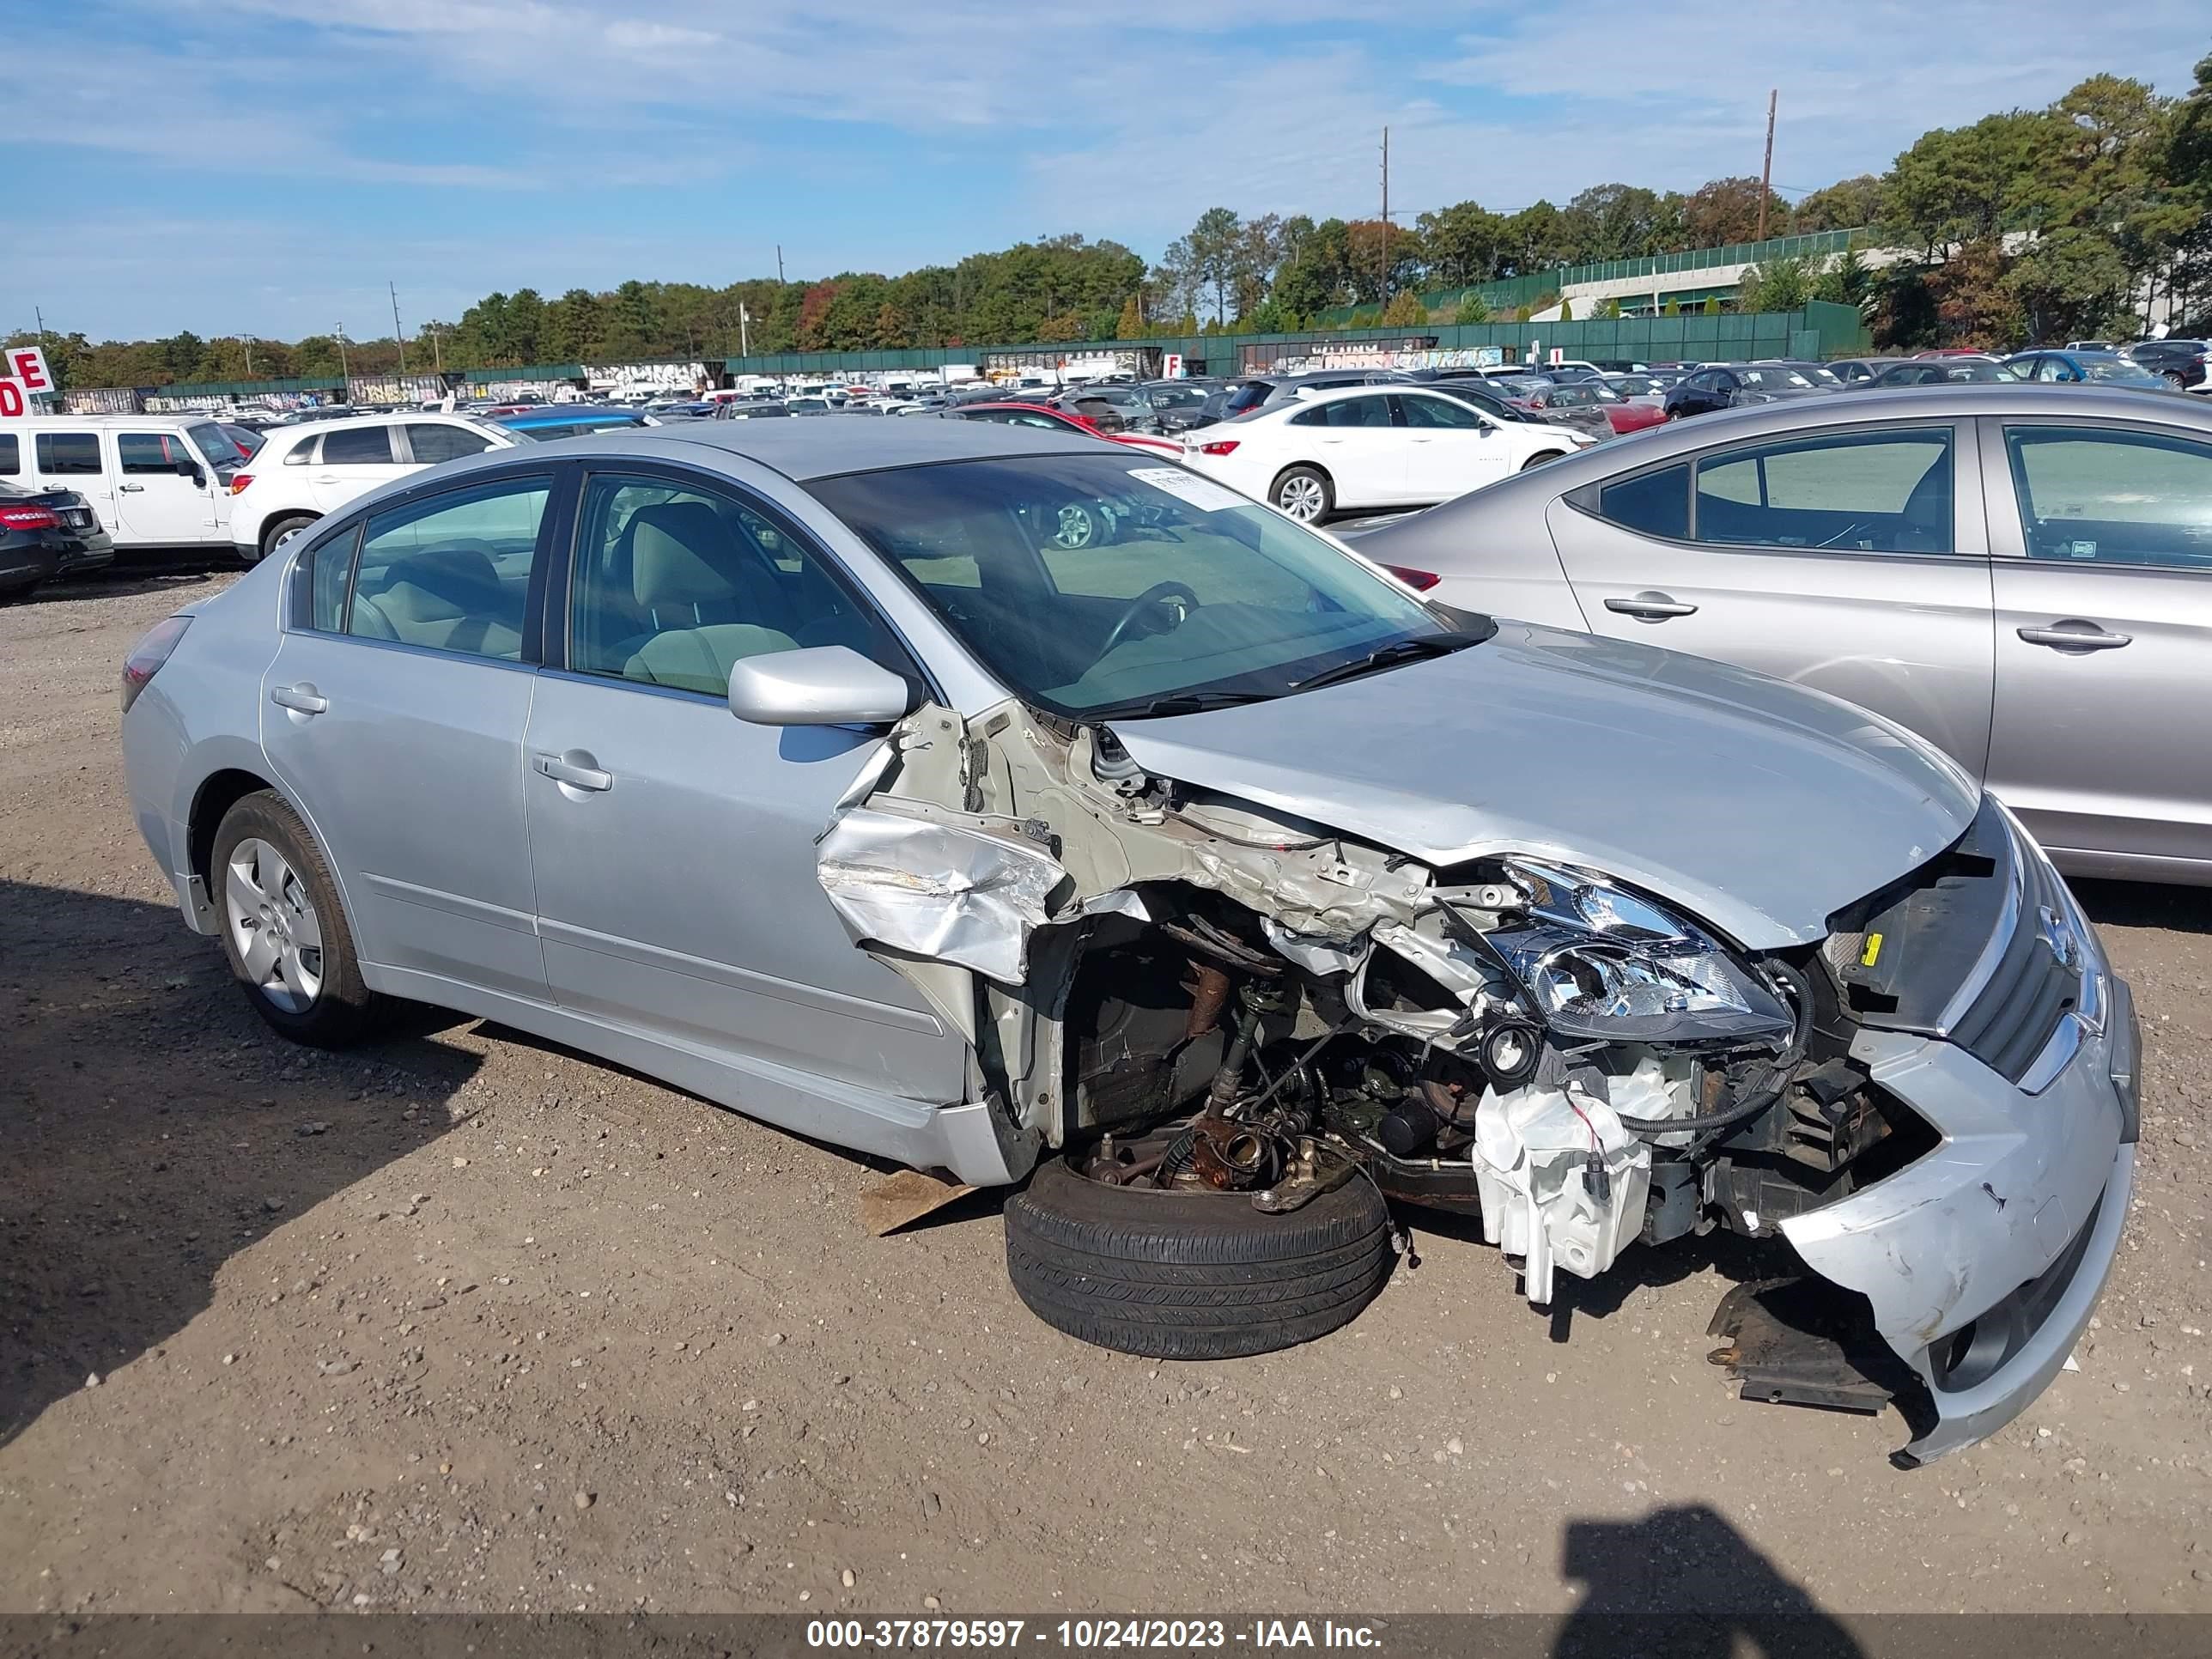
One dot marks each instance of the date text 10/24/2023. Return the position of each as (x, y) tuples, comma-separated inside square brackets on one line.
[(1087, 1634)]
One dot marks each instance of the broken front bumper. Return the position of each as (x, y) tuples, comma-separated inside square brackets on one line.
[(1984, 1259)]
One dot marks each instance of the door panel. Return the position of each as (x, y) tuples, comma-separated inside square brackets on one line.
[(411, 776), (158, 507), (681, 900), (396, 722), (1450, 449), (676, 884), (1354, 440), (1826, 568), (2101, 746), (353, 462)]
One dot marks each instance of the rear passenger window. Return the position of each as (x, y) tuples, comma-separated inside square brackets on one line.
[(1878, 492), (452, 572), (674, 585), (1655, 504), (62, 453), (432, 443), (331, 565), (11, 453), (361, 445)]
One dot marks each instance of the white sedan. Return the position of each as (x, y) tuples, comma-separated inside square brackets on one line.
[(1368, 446)]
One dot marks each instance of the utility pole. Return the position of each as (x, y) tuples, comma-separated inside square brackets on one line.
[(344, 373), (437, 352), (779, 264), (744, 330), (41, 316), (395, 333), (1386, 216), (246, 340), (1766, 170)]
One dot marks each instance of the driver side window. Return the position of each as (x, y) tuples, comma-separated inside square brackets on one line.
[(1438, 413)]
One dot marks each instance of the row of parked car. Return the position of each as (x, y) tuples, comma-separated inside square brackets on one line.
[(76, 490)]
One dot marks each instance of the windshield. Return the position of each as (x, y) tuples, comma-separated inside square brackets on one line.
[(221, 449), (2120, 370), (1771, 378), (1093, 587)]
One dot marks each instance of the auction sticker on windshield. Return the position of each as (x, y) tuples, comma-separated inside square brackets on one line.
[(1201, 493)]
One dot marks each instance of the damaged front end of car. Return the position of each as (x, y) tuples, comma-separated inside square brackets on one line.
[(1184, 990)]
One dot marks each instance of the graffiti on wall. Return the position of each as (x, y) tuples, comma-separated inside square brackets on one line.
[(1308, 357)]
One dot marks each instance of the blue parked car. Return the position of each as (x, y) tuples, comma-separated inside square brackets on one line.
[(570, 420), (2078, 367)]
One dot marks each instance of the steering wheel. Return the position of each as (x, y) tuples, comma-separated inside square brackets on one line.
[(1156, 594)]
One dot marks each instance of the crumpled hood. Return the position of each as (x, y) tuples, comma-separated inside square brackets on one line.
[(1759, 807)]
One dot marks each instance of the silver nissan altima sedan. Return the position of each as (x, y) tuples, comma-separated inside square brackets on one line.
[(1018, 806)]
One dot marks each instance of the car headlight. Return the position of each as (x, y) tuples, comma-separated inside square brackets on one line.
[(1601, 964)]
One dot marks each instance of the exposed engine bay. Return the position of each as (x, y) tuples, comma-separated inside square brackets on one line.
[(1185, 991)]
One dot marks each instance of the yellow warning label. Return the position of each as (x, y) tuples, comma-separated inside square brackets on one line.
[(1872, 950)]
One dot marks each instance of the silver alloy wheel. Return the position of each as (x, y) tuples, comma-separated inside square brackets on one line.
[(1077, 526), (1302, 497), (274, 925)]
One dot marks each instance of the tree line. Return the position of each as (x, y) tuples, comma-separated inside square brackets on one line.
[(2027, 225)]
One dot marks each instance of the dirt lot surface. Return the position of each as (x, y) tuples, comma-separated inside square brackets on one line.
[(460, 1321)]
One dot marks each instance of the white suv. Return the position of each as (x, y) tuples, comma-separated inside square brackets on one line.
[(316, 467)]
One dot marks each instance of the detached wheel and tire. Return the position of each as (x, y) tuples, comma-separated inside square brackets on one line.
[(1179, 1275), (277, 529), (283, 928), (1304, 493)]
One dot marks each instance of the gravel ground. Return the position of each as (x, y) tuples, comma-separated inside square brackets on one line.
[(461, 1322)]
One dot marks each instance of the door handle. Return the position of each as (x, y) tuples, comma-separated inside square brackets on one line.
[(326, 477), (1651, 607), (2079, 637), (133, 490), (574, 769), (301, 699)]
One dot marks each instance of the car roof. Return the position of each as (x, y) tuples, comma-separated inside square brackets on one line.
[(182, 418), (1808, 416), (835, 444)]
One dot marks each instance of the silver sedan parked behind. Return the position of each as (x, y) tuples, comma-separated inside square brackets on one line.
[(1206, 877), (2022, 576)]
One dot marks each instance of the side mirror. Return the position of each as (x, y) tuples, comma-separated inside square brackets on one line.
[(188, 468), (818, 685)]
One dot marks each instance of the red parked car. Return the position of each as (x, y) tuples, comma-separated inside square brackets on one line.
[(1057, 420)]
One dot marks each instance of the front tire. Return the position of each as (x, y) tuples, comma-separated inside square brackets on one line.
[(1304, 493), (283, 928), (277, 529), (1181, 1275)]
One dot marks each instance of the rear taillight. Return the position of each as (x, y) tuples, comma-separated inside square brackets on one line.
[(149, 655), (1420, 580), (29, 518), (1220, 446), (238, 481)]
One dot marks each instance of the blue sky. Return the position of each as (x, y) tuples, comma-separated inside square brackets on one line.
[(265, 166)]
